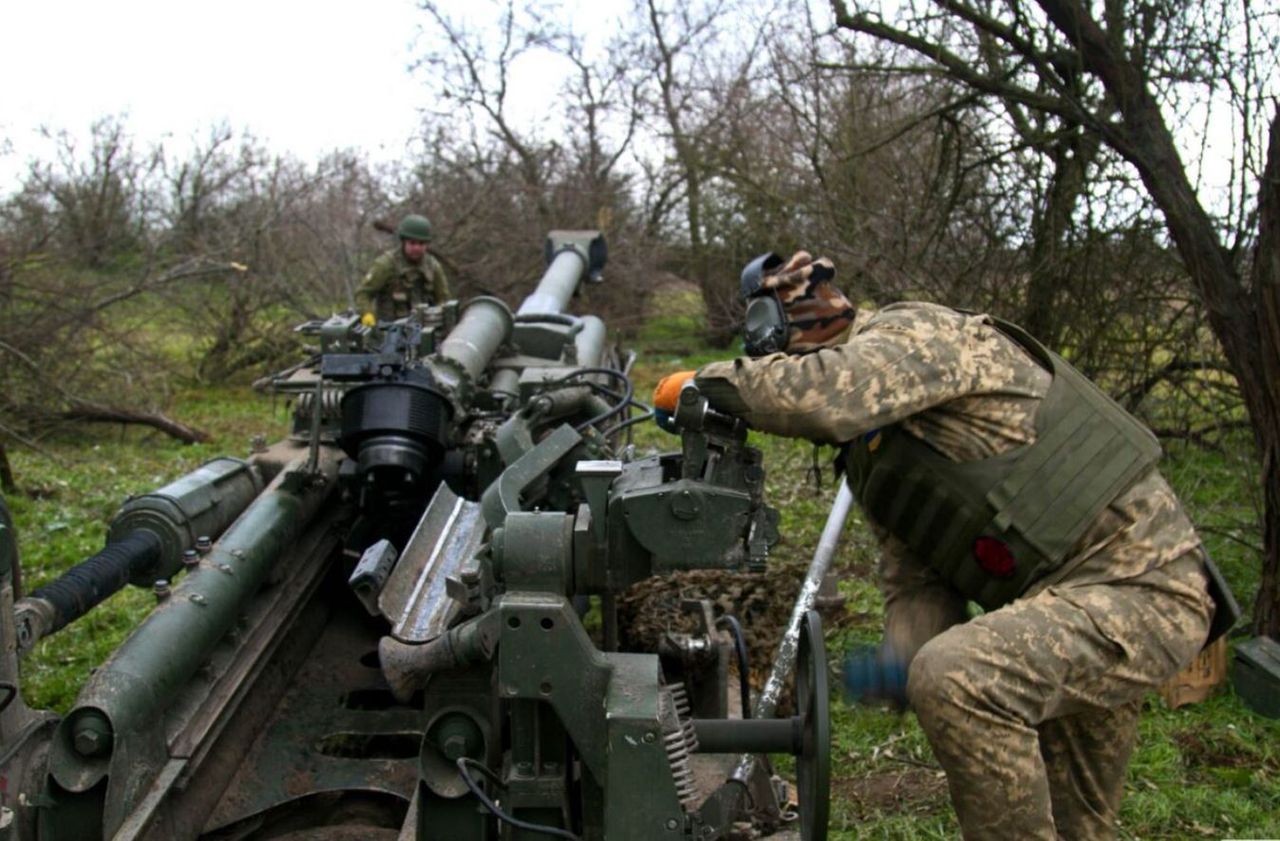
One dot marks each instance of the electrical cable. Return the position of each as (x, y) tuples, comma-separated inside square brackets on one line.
[(616, 428), (623, 400), (613, 410), (496, 811), (583, 372), (740, 648)]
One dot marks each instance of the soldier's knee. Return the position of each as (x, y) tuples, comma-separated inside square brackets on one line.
[(936, 681), (927, 678)]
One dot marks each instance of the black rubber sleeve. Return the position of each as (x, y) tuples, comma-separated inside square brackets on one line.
[(80, 588)]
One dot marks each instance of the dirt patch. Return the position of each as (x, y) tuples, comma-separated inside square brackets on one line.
[(1203, 748), (909, 789)]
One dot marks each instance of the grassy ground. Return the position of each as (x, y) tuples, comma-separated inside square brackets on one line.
[(1207, 770)]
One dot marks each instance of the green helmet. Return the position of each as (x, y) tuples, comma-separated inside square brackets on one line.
[(416, 227)]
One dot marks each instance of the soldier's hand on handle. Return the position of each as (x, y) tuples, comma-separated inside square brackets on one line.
[(667, 394), (665, 397)]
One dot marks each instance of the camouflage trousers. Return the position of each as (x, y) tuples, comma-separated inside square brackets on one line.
[(1032, 709)]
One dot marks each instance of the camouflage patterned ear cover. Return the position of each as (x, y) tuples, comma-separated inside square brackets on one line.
[(817, 312)]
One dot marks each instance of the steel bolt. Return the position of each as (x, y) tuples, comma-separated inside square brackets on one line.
[(196, 598), (204, 543), (88, 743), (161, 589), (91, 736), (456, 735), (190, 559), (453, 747), (650, 738), (672, 824)]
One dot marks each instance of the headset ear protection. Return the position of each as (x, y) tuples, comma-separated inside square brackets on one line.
[(765, 328)]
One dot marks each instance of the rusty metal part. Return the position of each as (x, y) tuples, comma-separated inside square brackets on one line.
[(337, 728)]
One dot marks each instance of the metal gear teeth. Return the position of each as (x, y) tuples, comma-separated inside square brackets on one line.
[(679, 743)]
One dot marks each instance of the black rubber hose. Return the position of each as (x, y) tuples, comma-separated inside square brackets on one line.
[(79, 589), (740, 648)]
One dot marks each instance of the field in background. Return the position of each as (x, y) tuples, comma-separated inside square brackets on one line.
[(1209, 770)]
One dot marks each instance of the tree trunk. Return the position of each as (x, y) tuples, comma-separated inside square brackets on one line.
[(1248, 327), (1072, 156), (7, 483), (1266, 291)]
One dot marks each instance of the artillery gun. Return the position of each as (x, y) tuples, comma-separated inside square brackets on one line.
[(379, 633)]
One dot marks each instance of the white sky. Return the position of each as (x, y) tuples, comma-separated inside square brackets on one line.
[(304, 76)]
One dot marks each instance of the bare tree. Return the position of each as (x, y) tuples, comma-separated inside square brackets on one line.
[(493, 182), (693, 73), (225, 245), (93, 204), (473, 75), (1139, 63)]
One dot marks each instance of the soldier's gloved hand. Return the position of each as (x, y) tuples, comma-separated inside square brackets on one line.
[(874, 674), (667, 393)]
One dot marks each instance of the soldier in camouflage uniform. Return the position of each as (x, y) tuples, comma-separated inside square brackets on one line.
[(1095, 589), (406, 276)]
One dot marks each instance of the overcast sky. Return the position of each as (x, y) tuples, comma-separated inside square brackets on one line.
[(304, 77)]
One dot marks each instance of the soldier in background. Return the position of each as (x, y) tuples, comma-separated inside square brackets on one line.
[(991, 471), (405, 276)]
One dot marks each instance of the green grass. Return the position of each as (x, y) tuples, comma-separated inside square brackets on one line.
[(1207, 770)]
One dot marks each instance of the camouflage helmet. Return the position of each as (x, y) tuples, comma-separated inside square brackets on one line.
[(792, 306), (415, 227)]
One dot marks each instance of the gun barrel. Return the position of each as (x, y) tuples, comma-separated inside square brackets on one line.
[(557, 286), (485, 324), (571, 255)]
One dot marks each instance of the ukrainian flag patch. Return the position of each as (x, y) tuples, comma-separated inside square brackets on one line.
[(872, 439)]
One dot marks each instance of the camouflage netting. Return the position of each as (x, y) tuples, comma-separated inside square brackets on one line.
[(762, 603)]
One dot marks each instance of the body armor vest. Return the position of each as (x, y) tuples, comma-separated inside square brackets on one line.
[(993, 526)]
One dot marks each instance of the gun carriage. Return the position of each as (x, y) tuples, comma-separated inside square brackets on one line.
[(377, 627)]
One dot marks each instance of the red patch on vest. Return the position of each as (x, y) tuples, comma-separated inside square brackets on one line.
[(994, 557)]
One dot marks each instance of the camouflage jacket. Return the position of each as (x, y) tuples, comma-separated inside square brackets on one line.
[(953, 380), (960, 385), (393, 286)]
